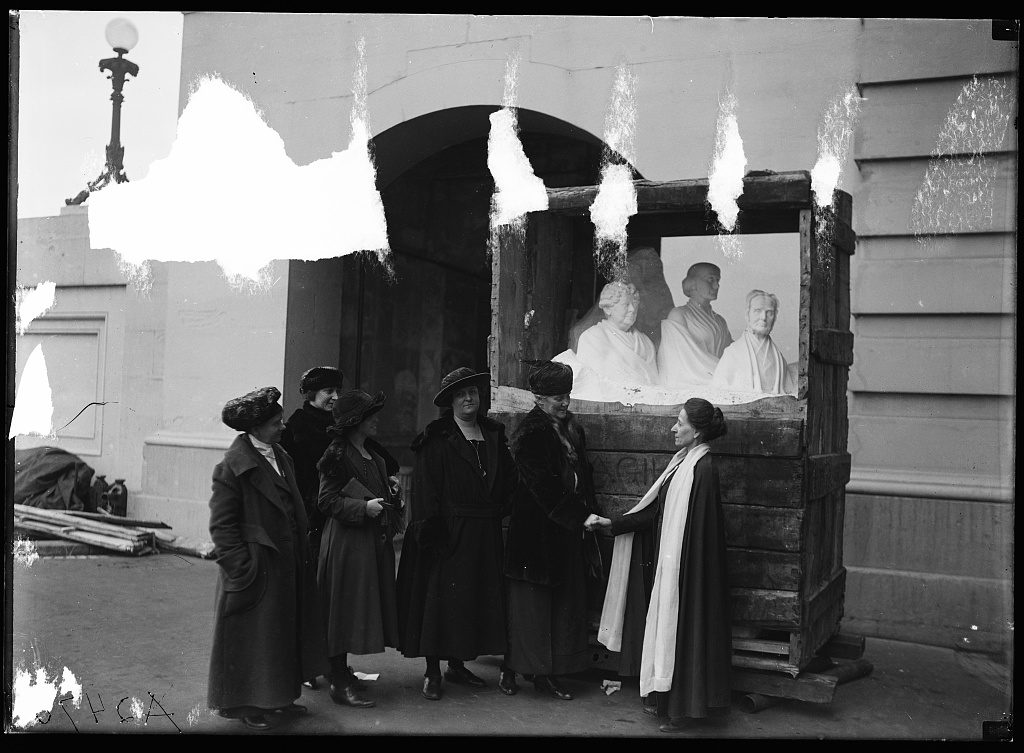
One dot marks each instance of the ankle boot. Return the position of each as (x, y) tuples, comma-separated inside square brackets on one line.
[(343, 690)]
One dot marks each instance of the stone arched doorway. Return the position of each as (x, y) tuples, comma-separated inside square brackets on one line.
[(402, 335)]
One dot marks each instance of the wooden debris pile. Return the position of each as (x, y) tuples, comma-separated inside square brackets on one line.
[(118, 537)]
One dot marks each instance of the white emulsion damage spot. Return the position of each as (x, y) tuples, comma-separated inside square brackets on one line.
[(35, 694), (70, 684), (616, 202), (193, 715), (957, 194), (728, 165), (31, 303), (33, 404), (24, 551), (835, 131), (517, 190), (228, 192)]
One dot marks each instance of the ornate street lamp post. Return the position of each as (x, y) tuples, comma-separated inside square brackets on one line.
[(122, 36)]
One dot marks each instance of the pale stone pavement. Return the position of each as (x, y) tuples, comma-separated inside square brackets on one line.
[(129, 626)]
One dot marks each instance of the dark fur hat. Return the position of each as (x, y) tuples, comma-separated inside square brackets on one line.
[(250, 410), (551, 378), (321, 377)]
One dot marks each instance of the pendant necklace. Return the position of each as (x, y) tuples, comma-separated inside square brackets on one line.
[(476, 450)]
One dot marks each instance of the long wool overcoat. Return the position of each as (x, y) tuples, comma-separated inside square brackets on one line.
[(356, 570), (268, 635), (451, 590), (547, 508)]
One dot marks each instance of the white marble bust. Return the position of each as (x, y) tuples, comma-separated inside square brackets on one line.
[(693, 336), (613, 348), (754, 362)]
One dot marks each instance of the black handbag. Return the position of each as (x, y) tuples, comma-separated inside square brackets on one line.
[(391, 518)]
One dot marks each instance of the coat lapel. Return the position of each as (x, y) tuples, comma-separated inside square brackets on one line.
[(283, 475), (243, 458), (382, 467), (464, 450)]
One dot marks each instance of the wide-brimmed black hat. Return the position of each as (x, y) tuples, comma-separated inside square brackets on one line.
[(456, 380), (321, 377), (352, 407), (252, 409)]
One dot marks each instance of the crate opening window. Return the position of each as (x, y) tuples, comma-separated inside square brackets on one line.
[(690, 313), (702, 318)]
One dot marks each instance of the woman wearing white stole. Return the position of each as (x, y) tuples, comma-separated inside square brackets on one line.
[(666, 608)]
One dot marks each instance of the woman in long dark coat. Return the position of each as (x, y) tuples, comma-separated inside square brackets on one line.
[(268, 633), (450, 582), (306, 439), (359, 494), (667, 603), (549, 555)]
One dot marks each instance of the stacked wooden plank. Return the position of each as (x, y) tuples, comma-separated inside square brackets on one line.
[(118, 538)]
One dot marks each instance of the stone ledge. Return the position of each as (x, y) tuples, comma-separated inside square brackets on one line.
[(188, 518), (954, 612), (907, 483)]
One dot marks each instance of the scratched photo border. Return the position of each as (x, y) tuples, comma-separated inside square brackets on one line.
[(999, 727)]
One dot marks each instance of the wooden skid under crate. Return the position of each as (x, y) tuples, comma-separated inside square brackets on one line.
[(816, 684)]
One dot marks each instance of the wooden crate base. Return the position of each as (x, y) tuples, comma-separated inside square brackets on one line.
[(815, 683), (762, 672), (759, 650), (766, 650), (764, 688), (773, 651)]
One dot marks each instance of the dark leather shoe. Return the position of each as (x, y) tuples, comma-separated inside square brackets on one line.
[(432, 688), (507, 682), (462, 676), (346, 695), (293, 708), (673, 726), (257, 722), (650, 709), (548, 685)]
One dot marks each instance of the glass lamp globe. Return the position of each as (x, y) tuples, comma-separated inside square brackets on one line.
[(122, 35)]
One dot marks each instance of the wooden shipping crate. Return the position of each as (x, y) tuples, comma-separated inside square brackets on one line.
[(784, 463)]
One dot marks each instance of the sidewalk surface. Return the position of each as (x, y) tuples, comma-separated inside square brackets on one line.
[(132, 630)]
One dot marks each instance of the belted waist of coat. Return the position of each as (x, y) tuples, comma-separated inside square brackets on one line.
[(475, 512)]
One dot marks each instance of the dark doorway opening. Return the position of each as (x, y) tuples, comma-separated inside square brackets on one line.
[(403, 336)]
